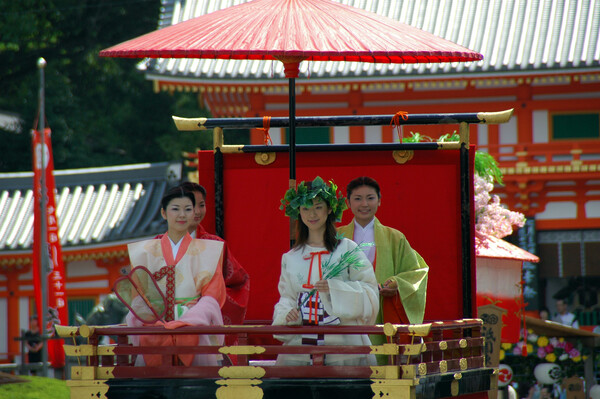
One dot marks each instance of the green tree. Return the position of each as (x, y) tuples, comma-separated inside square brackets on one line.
[(102, 111)]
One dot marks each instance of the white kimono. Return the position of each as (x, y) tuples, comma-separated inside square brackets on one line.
[(353, 298)]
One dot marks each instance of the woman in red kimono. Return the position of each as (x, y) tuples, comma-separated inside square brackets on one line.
[(236, 278)]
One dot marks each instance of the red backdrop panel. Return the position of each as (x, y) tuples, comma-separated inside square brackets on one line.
[(421, 198)]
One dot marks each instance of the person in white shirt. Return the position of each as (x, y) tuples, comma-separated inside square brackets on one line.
[(563, 316)]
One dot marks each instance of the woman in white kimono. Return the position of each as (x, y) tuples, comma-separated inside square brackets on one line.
[(188, 272), (348, 298)]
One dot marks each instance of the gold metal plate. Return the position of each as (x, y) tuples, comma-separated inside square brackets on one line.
[(385, 349), (421, 330), (245, 372), (385, 372), (242, 350)]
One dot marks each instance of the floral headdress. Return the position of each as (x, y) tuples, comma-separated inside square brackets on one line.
[(303, 196)]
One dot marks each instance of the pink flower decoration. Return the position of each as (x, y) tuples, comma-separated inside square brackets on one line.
[(541, 352), (574, 352), (517, 351)]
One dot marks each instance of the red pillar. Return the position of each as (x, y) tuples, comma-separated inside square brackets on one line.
[(13, 311)]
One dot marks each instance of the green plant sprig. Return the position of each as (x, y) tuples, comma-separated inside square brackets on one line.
[(349, 260)]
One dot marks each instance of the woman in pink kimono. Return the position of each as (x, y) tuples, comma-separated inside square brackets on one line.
[(189, 274)]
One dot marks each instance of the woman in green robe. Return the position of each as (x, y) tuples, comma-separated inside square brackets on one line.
[(400, 271)]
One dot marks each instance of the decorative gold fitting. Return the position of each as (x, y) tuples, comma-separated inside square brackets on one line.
[(264, 158), (462, 343), (79, 350), (83, 373), (242, 350), (385, 349), (231, 149), (457, 376), (106, 350), (463, 363), (443, 345), (403, 156), (242, 372), (422, 369), (495, 117), (421, 330), (389, 329), (65, 331), (454, 388), (103, 373), (86, 331), (388, 372), (189, 124), (244, 382), (443, 366), (409, 371), (413, 349)]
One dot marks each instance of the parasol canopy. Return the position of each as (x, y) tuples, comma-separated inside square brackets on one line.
[(292, 31)]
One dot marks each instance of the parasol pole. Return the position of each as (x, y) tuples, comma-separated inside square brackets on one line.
[(292, 129), (291, 66), (292, 148)]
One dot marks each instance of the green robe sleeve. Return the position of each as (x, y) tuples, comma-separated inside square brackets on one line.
[(396, 259)]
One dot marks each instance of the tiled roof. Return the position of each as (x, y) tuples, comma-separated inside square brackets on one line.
[(94, 206), (487, 246), (513, 36)]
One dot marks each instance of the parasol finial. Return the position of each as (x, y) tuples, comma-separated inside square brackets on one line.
[(291, 66)]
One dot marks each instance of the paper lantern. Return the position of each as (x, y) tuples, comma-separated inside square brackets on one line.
[(547, 373), (505, 375)]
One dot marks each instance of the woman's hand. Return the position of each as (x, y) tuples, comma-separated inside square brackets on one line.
[(389, 288), (292, 316), (322, 286)]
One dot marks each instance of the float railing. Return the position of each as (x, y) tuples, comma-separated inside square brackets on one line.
[(415, 353)]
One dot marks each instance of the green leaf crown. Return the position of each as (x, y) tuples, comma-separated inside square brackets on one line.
[(303, 196)]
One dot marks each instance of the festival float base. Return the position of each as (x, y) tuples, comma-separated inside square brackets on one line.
[(435, 360)]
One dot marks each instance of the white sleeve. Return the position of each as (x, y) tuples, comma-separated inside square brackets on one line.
[(287, 297), (355, 295)]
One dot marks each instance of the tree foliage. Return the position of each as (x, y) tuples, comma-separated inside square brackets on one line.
[(102, 111)]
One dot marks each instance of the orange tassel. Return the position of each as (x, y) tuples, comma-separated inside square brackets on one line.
[(265, 128), (396, 123)]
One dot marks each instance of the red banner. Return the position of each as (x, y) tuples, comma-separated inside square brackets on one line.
[(57, 298)]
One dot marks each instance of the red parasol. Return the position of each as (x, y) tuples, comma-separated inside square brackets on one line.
[(292, 31)]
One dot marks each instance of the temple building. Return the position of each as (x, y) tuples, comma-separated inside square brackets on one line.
[(99, 211)]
